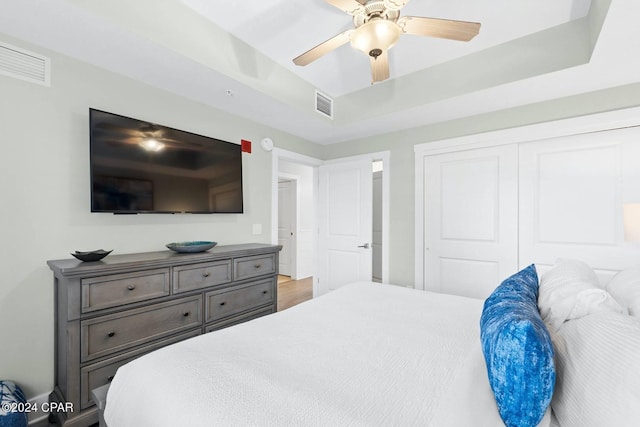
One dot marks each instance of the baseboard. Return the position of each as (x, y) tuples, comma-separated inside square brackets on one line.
[(39, 418)]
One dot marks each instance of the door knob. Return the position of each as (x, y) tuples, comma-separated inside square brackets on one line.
[(366, 246)]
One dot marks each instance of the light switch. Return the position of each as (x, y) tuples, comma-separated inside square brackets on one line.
[(257, 228)]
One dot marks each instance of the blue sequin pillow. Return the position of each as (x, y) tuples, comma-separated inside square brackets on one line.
[(12, 402), (517, 350)]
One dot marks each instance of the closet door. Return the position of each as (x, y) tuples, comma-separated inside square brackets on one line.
[(470, 220), (572, 190)]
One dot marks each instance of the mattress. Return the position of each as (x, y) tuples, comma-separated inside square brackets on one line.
[(365, 354)]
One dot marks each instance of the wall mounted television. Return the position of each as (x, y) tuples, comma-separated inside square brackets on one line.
[(142, 167)]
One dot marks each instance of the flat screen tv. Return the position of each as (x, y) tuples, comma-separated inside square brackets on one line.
[(143, 167)]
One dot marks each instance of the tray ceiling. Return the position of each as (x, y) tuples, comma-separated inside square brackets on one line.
[(237, 55)]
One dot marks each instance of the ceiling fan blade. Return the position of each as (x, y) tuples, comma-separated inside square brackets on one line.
[(323, 48), (352, 7), (395, 4), (379, 67), (442, 28)]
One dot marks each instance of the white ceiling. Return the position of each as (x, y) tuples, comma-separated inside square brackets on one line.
[(237, 55), (283, 29)]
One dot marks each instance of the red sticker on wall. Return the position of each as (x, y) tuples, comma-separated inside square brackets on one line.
[(245, 145)]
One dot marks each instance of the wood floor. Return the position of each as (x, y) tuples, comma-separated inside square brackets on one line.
[(292, 292)]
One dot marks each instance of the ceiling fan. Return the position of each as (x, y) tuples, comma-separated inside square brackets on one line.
[(378, 27)]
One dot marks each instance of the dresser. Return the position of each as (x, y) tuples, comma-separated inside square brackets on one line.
[(110, 312)]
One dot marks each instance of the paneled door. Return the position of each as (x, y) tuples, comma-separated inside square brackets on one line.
[(470, 220), (572, 190), (345, 223)]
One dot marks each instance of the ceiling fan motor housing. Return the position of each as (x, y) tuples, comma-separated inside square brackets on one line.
[(375, 9)]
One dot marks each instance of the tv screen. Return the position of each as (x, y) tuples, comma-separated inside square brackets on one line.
[(142, 167)]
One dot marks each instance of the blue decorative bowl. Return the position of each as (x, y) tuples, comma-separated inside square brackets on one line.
[(91, 255), (191, 247)]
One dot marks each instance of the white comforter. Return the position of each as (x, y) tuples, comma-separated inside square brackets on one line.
[(364, 355)]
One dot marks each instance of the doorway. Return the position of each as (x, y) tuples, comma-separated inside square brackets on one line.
[(304, 170), (377, 235), (287, 224), (294, 212)]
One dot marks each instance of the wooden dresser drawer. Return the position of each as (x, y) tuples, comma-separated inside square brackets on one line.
[(230, 301), (108, 334), (100, 373), (118, 289), (253, 266), (196, 276)]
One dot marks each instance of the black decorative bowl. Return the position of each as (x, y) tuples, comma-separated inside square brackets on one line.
[(191, 247), (91, 255)]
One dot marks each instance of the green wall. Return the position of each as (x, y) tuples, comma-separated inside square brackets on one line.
[(44, 194), (401, 146)]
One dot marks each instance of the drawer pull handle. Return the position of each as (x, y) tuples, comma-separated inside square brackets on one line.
[(257, 265), (205, 274), (223, 303), (110, 378), (131, 287), (111, 334), (265, 292), (186, 314)]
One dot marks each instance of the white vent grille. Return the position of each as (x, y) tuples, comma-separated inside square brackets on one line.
[(24, 65), (324, 105)]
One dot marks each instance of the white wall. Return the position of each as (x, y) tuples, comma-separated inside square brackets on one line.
[(44, 194)]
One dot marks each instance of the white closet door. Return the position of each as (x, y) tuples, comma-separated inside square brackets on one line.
[(471, 212), (571, 195)]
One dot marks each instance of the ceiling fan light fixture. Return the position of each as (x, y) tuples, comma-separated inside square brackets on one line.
[(378, 27), (378, 33)]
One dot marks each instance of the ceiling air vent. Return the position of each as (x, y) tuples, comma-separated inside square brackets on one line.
[(324, 105), (24, 65)]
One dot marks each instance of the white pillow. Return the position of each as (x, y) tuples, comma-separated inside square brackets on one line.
[(625, 289), (571, 290), (598, 371)]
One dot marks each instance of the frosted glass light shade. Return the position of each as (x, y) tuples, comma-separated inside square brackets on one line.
[(376, 34)]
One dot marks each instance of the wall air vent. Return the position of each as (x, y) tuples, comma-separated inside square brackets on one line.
[(24, 65), (324, 105)]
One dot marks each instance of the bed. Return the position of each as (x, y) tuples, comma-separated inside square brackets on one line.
[(364, 355)]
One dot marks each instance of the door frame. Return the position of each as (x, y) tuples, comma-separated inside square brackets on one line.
[(290, 156)]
